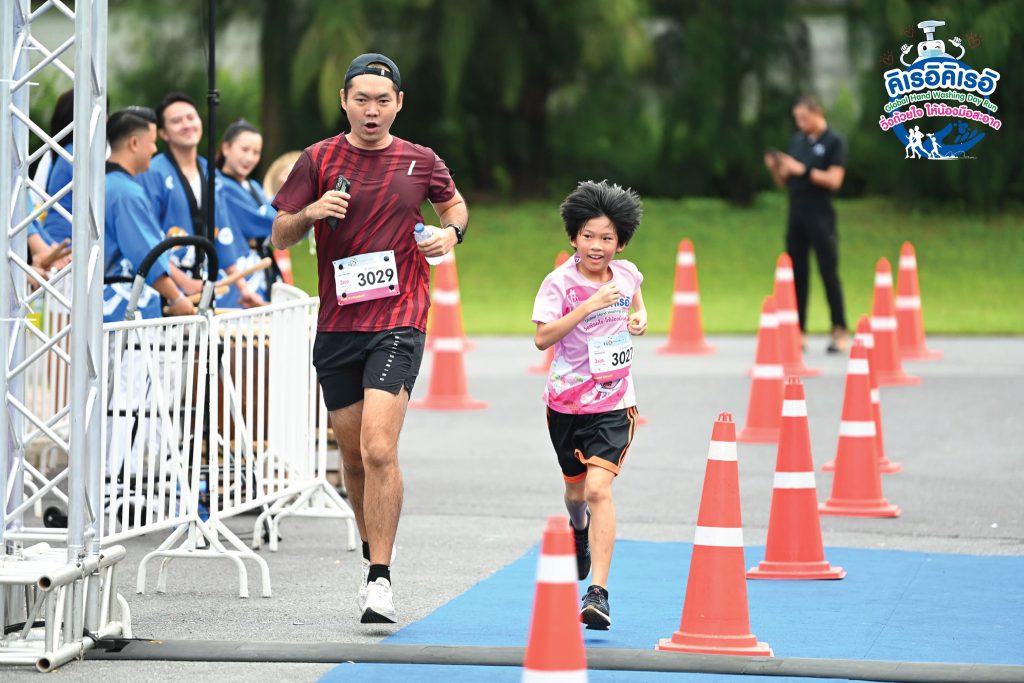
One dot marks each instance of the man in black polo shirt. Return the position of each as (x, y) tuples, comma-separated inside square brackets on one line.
[(812, 171)]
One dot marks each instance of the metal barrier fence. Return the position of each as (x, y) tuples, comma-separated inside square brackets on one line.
[(210, 418)]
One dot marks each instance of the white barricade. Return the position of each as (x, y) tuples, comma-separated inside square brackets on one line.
[(156, 377), (266, 442), (226, 406)]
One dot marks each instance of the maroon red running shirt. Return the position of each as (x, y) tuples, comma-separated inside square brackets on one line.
[(388, 187)]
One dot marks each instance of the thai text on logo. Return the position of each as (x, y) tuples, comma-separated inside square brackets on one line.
[(939, 107)]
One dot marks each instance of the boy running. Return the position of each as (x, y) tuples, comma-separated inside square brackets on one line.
[(583, 309)]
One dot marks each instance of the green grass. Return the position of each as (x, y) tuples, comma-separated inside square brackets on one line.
[(971, 267)]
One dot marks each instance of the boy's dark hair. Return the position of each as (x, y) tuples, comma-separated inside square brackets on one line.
[(233, 131), (123, 123), (169, 99), (592, 200)]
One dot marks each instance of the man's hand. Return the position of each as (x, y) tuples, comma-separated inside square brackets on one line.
[(181, 307), (790, 166), (57, 256), (604, 297), (332, 204), (440, 243), (638, 322), (771, 160)]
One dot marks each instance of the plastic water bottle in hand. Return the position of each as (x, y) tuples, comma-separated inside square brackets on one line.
[(422, 233)]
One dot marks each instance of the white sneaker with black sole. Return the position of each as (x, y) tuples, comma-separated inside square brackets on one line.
[(365, 568), (379, 605)]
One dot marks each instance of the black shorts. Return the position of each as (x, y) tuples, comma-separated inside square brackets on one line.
[(348, 362), (599, 439)]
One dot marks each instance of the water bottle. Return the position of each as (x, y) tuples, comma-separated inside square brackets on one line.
[(420, 233)]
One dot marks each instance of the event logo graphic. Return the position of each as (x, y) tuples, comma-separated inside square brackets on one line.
[(939, 107)]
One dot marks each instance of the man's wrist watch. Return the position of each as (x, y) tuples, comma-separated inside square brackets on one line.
[(460, 234)]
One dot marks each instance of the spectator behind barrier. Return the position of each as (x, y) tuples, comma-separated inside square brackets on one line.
[(131, 230)]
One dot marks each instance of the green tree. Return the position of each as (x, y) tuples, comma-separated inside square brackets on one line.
[(729, 72), (479, 76)]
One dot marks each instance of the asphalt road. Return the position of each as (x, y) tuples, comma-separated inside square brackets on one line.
[(479, 486)]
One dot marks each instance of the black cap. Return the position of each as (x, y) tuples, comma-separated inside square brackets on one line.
[(361, 65)]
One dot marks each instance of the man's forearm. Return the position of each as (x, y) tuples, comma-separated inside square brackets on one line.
[(458, 214), (289, 228)]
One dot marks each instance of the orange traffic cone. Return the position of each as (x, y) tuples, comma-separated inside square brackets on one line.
[(447, 389), (544, 367), (857, 485), (790, 340), (885, 466), (685, 331), (554, 650), (794, 549), (889, 369), (283, 259), (445, 292), (910, 328), (716, 618), (765, 407)]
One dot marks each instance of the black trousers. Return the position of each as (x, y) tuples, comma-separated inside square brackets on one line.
[(813, 226)]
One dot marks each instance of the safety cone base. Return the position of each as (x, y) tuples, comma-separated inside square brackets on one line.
[(887, 466), (884, 466), (859, 508), (747, 646), (448, 403), (897, 379), (759, 435), (697, 349), (920, 354), (796, 570)]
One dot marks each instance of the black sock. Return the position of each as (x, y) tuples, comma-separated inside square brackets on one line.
[(366, 550), (379, 571)]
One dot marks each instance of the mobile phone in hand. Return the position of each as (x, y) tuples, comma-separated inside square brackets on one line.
[(340, 185)]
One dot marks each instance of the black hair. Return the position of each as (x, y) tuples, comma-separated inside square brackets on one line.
[(169, 99), (811, 103), (125, 122), (592, 200), (235, 129), (63, 114)]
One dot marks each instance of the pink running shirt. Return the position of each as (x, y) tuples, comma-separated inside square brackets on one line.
[(571, 387)]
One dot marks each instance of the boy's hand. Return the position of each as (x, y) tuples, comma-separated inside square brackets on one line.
[(604, 297), (638, 323)]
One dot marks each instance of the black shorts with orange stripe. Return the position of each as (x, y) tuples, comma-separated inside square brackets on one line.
[(599, 439)]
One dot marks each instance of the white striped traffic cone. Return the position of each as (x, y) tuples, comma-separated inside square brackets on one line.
[(554, 651)]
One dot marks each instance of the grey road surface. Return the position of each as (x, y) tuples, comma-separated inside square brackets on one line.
[(479, 486)]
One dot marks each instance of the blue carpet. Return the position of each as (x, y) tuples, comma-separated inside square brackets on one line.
[(892, 605)]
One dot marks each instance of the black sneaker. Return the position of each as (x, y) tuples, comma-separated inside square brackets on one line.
[(596, 613), (582, 537)]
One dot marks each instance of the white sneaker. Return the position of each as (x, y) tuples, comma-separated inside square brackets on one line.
[(379, 605), (366, 575)]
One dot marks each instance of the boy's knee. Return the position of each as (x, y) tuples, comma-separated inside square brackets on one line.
[(598, 493)]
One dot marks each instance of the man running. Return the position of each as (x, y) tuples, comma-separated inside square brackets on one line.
[(362, 191)]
